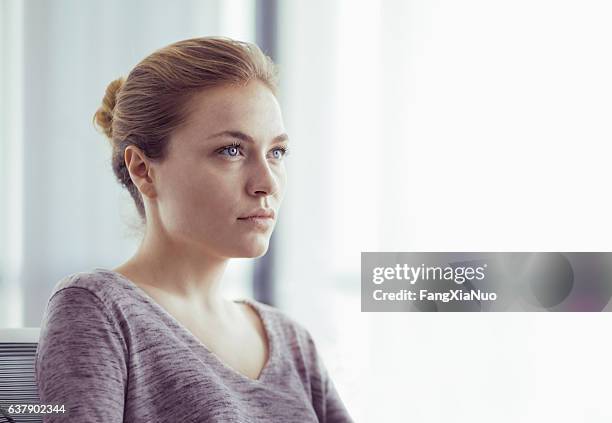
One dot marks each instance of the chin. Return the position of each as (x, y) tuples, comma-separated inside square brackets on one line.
[(252, 250), (258, 252)]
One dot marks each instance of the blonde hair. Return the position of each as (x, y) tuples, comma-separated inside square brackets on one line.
[(147, 106)]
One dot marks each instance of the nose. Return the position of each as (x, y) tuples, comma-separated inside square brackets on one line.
[(263, 179)]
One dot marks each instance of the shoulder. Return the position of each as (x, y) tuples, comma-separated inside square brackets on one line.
[(80, 339), (82, 288), (98, 283), (86, 295), (81, 313)]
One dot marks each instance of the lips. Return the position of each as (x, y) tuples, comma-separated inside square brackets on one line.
[(259, 213)]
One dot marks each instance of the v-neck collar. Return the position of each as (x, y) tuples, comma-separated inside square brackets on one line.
[(269, 333)]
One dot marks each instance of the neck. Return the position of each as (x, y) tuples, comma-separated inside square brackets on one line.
[(179, 270)]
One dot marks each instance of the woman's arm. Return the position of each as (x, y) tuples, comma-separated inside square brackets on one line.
[(335, 411), (81, 359), (326, 400)]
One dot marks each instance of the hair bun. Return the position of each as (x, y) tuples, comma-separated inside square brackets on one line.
[(103, 117)]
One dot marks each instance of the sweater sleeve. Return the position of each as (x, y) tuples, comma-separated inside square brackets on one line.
[(81, 359), (326, 400), (335, 411)]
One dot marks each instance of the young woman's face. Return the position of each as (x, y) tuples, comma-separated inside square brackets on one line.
[(204, 185)]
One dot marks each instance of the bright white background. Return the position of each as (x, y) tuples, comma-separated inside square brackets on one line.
[(449, 126), (416, 126)]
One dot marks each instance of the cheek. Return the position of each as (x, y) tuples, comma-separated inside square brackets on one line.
[(201, 199), (282, 183)]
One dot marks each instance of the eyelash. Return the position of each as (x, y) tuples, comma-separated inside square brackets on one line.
[(238, 145)]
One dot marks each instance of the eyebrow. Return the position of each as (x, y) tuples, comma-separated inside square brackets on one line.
[(247, 138)]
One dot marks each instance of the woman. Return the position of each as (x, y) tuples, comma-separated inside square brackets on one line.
[(198, 140)]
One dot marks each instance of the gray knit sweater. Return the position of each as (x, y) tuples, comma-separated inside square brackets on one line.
[(109, 353)]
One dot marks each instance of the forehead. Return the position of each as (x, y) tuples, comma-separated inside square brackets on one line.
[(251, 108)]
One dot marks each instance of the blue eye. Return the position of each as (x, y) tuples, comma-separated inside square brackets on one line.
[(233, 147), (283, 150), (234, 150)]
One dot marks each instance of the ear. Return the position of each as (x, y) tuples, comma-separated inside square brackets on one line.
[(140, 169)]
